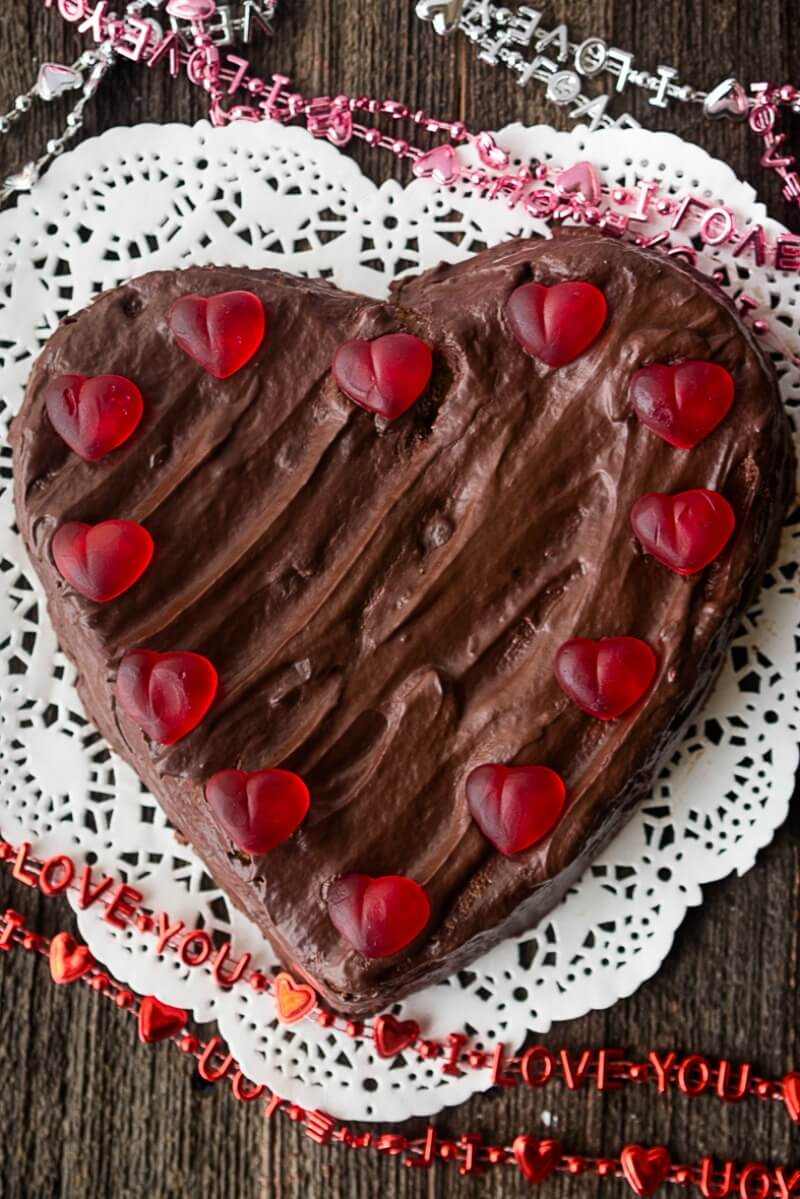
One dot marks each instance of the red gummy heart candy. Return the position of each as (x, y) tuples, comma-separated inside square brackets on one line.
[(556, 324), (682, 403), (684, 531), (645, 1169), (384, 376), (537, 1159), (378, 916), (515, 806), (93, 416), (221, 332), (101, 561), (258, 810), (166, 694), (606, 677)]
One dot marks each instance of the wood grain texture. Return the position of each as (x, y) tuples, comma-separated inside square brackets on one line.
[(87, 1111)]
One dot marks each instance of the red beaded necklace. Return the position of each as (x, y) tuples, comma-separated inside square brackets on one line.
[(645, 1168)]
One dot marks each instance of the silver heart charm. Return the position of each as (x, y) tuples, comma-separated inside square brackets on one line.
[(54, 79), (445, 14), (727, 99), (23, 180)]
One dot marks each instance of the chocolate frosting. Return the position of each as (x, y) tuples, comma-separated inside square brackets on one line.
[(383, 602)]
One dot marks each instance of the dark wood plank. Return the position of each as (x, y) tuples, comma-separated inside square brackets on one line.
[(84, 1109)]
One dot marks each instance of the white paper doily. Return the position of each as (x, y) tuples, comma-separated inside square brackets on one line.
[(152, 197)]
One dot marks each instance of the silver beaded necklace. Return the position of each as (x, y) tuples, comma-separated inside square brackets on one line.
[(519, 41), (87, 73)]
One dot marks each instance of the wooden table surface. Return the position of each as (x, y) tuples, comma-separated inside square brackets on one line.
[(85, 1110)]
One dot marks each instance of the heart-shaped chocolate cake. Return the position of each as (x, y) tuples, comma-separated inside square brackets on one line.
[(396, 607)]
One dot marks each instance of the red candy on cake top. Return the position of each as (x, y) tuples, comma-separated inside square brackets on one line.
[(220, 332), (378, 916), (167, 695), (556, 324), (686, 531), (385, 376), (102, 561), (682, 402), (93, 416), (515, 806), (607, 677), (258, 810)]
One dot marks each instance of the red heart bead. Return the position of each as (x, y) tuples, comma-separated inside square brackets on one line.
[(515, 806), (537, 1159), (384, 376), (392, 1036), (166, 694), (69, 961), (101, 561), (684, 531), (645, 1169), (556, 324), (791, 1095), (378, 916), (258, 810), (93, 416), (221, 332), (158, 1021), (684, 402), (294, 1000), (606, 677)]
